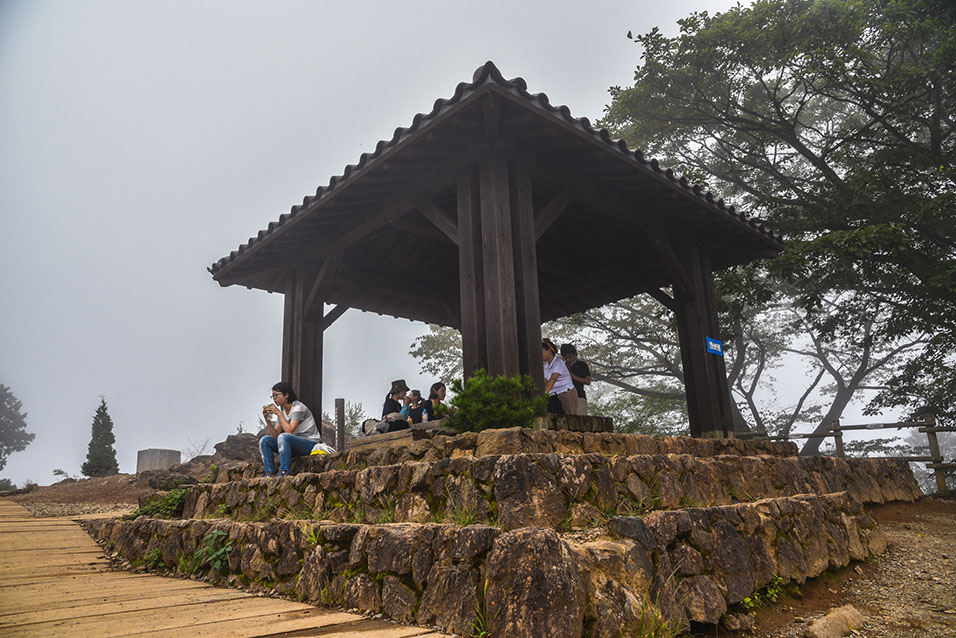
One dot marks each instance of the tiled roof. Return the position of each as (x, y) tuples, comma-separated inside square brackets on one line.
[(488, 74)]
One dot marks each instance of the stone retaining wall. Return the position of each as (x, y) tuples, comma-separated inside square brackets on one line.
[(522, 441), (547, 490), (676, 565)]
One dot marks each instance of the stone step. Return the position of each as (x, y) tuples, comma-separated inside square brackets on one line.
[(519, 441), (669, 566), (558, 491)]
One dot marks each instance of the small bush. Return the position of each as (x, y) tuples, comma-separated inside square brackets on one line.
[(484, 402), (163, 505)]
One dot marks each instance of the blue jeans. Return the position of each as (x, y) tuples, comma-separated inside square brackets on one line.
[(287, 445)]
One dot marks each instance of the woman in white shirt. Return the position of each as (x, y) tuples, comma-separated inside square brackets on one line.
[(292, 430), (557, 380)]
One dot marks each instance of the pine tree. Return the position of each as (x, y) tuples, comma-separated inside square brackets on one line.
[(101, 457)]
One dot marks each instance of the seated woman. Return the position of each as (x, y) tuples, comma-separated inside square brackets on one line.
[(557, 381), (435, 397), (413, 410), (395, 398), (292, 430)]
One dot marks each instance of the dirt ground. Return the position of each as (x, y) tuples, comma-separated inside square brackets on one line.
[(85, 496), (907, 592)]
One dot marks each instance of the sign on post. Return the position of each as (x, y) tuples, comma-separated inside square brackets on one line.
[(715, 346)]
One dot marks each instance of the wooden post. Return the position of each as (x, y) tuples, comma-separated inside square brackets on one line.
[(340, 425), (705, 381), (472, 304), (501, 322), (306, 346), (288, 331), (838, 437), (528, 311), (934, 452)]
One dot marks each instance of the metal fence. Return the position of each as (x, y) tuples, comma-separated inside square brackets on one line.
[(926, 425)]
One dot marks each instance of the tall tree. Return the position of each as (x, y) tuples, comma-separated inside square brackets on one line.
[(100, 456), (834, 120), (13, 426)]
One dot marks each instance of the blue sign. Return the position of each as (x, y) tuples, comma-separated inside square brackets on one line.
[(715, 346)]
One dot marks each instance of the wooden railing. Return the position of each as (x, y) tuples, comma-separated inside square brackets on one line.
[(927, 425)]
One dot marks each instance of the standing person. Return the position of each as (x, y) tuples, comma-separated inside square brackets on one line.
[(395, 398), (291, 430), (557, 381), (435, 397), (580, 375)]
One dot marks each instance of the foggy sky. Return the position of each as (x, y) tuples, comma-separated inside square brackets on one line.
[(142, 141)]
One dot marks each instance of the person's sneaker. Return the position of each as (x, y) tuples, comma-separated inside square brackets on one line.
[(281, 474), (268, 475)]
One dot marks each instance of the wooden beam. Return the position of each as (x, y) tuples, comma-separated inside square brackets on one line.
[(437, 216), (491, 117), (409, 225), (665, 299), (320, 284), (332, 315), (549, 214), (672, 264), (433, 181)]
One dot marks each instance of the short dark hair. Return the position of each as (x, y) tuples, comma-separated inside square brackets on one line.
[(285, 388), (567, 349), (433, 393)]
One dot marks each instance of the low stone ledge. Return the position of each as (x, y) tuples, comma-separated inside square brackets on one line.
[(522, 441), (547, 490), (670, 566)]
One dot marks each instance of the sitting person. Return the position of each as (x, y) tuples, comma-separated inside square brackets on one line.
[(435, 397), (414, 410), (563, 397), (395, 398), (292, 430)]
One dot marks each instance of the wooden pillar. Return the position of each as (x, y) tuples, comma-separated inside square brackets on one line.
[(288, 331), (501, 322), (705, 379), (302, 344), (527, 301), (719, 364), (474, 352)]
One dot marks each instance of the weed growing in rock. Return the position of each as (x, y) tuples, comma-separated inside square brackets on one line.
[(163, 505), (153, 559), (479, 627), (212, 475), (460, 516), (300, 512), (214, 551), (760, 597), (385, 507)]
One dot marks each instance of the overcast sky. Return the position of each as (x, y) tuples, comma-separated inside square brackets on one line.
[(142, 141)]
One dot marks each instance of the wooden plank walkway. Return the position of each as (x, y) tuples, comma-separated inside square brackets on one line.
[(55, 581)]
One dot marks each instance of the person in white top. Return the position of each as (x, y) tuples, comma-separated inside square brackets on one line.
[(557, 380), (291, 430)]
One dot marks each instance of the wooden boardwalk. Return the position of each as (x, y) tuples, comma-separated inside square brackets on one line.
[(55, 581)]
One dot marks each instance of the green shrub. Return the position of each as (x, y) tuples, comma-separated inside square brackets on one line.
[(163, 505), (484, 402)]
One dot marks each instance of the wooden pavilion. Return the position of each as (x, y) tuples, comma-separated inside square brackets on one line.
[(520, 214)]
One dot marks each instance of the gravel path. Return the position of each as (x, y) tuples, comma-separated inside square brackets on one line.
[(907, 592)]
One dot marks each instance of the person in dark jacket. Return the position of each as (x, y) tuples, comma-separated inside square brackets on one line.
[(395, 398), (580, 375)]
